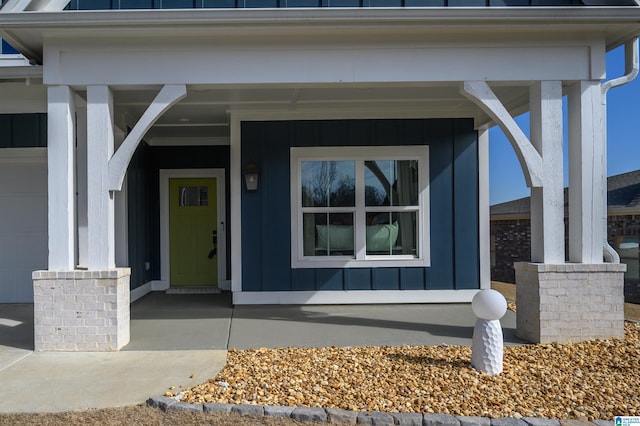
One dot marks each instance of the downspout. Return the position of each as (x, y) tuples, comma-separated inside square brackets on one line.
[(631, 72)]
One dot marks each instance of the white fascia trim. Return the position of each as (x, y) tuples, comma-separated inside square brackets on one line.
[(352, 297)]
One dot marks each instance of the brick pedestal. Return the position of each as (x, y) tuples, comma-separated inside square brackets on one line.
[(81, 310), (569, 302)]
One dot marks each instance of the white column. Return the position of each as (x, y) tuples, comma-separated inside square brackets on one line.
[(81, 184), (483, 208), (100, 142), (547, 202), (61, 178), (587, 176)]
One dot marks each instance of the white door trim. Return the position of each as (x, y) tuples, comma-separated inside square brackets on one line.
[(165, 175)]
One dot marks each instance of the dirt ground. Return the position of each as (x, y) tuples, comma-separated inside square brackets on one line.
[(144, 415)]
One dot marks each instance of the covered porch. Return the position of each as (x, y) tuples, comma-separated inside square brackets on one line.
[(115, 80)]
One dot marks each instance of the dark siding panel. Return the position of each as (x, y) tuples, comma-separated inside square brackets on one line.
[(303, 279), (252, 268), (412, 279), (5, 131), (276, 234), (466, 208), (440, 274), (386, 278), (140, 223), (266, 214), (329, 279), (357, 279), (23, 130)]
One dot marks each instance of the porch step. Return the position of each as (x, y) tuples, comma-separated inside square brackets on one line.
[(193, 290)]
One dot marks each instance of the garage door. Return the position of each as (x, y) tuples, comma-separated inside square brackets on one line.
[(23, 221)]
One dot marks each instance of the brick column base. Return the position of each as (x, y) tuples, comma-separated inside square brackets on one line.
[(81, 310), (570, 302)]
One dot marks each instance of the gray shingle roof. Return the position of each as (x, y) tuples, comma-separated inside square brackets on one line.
[(623, 193)]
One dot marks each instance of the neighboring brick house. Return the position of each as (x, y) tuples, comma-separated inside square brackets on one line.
[(511, 232)]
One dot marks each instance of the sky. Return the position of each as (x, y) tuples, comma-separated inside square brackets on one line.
[(623, 138)]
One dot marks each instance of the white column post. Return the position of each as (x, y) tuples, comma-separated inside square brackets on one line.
[(100, 145), (547, 202), (61, 178), (587, 177), (483, 208)]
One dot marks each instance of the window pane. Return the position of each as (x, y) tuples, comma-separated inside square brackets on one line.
[(629, 250), (328, 183), (391, 233), (328, 234), (391, 183), (190, 196)]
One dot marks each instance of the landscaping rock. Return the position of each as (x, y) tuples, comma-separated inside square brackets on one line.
[(161, 402), (338, 416), (278, 411), (306, 414), (185, 406), (217, 408), (474, 421), (375, 418), (407, 419), (248, 410), (440, 420)]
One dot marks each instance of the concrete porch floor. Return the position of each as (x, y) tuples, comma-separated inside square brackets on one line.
[(181, 340)]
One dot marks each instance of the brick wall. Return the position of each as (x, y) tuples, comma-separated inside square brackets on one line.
[(81, 310)]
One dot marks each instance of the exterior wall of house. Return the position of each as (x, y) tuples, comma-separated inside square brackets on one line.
[(453, 187), (144, 206)]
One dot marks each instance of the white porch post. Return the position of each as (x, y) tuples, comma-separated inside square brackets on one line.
[(547, 202), (61, 178), (101, 213), (587, 173), (584, 299)]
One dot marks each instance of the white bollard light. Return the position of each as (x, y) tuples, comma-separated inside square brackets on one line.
[(488, 345)]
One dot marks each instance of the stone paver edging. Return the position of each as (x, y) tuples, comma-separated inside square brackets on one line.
[(346, 417)]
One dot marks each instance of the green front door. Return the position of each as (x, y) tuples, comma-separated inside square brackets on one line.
[(193, 232)]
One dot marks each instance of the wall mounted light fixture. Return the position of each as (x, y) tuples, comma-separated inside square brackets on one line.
[(251, 174)]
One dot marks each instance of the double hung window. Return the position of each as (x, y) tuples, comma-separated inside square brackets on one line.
[(359, 206)]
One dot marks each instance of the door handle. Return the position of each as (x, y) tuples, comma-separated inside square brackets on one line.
[(214, 239)]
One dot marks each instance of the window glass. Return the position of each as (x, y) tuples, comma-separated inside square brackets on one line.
[(219, 3), (391, 233), (136, 4), (191, 196), (629, 251), (328, 184), (177, 4), (365, 209), (7, 49), (391, 183), (328, 234)]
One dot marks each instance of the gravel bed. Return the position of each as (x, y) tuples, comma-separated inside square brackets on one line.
[(591, 380)]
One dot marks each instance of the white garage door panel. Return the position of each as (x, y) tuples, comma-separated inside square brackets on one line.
[(23, 227)]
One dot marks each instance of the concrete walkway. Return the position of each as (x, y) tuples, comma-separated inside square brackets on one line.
[(181, 340)]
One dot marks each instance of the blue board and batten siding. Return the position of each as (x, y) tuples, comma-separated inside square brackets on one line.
[(266, 222)]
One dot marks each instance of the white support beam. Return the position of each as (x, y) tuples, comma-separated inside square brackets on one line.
[(484, 213), (168, 96), (547, 202), (61, 178), (100, 142), (530, 160), (15, 6), (587, 173)]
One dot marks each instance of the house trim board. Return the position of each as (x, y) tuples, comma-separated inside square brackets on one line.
[(352, 297)]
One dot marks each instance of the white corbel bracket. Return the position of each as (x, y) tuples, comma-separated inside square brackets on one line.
[(481, 94), (168, 96)]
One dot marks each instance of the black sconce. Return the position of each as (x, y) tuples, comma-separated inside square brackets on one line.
[(251, 175)]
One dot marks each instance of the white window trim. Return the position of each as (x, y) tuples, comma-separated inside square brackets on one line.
[(414, 152)]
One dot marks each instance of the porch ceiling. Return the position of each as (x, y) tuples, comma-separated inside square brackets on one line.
[(205, 112)]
